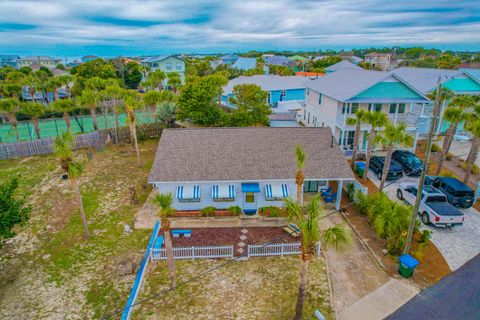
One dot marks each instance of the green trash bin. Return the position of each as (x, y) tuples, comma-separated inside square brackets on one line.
[(406, 265)]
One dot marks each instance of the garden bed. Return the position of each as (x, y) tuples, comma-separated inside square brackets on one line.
[(197, 213), (231, 236)]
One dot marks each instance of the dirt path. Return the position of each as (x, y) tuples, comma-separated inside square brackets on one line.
[(354, 273)]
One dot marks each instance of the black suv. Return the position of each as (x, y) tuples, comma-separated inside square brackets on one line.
[(457, 192), (395, 171), (412, 165)]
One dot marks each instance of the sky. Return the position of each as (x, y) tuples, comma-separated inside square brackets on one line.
[(143, 27)]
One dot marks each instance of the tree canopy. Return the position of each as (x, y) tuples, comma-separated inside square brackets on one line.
[(13, 210)]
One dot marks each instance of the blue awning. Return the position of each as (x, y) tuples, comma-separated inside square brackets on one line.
[(250, 187)]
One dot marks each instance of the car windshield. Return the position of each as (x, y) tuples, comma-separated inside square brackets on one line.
[(414, 161), (436, 199)]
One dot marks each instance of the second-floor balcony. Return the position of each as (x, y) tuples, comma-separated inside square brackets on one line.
[(410, 118)]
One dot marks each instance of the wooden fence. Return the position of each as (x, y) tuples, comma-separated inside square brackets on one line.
[(194, 252), (45, 146), (122, 134)]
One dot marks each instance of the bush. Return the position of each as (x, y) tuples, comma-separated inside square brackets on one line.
[(270, 211), (350, 190), (449, 156), (208, 211), (463, 164), (395, 245), (361, 202), (425, 236), (392, 222), (13, 210), (377, 204), (235, 210), (436, 148)]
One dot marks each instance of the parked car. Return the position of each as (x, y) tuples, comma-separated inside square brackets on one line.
[(412, 165), (434, 207), (376, 165), (457, 192)]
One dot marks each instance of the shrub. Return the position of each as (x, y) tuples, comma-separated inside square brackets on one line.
[(449, 156), (425, 236), (463, 164), (235, 210), (361, 201), (208, 211), (435, 147), (377, 204), (350, 189), (13, 209), (395, 245), (393, 221), (270, 211)]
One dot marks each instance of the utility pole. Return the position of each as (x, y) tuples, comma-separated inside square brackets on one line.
[(433, 125)]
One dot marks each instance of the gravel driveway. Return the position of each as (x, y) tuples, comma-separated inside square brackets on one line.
[(457, 245)]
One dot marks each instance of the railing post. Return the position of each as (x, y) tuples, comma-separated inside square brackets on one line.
[(193, 253), (282, 249)]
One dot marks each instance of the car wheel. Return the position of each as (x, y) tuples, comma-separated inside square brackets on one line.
[(425, 219), (399, 194), (379, 175)]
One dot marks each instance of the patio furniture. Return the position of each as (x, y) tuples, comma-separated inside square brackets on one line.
[(326, 191), (292, 229), (184, 233), (330, 198)]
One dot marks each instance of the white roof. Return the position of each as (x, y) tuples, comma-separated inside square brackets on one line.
[(268, 82), (344, 64), (425, 79)]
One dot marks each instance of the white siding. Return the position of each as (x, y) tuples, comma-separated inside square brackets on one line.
[(325, 114)]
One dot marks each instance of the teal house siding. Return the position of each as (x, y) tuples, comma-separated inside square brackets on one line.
[(276, 96), (462, 85), (388, 90), (166, 64)]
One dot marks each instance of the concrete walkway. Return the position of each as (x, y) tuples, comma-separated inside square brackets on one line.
[(381, 302)]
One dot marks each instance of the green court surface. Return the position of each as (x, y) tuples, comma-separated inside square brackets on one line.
[(55, 126)]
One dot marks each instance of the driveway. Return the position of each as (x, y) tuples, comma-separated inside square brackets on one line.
[(457, 245)]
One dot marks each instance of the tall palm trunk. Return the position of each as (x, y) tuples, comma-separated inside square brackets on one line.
[(78, 195), (386, 166), (66, 118), (302, 285), (14, 123), (133, 132), (447, 143), (299, 179), (169, 249), (356, 138), (472, 157), (55, 94), (368, 155), (36, 126), (94, 117)]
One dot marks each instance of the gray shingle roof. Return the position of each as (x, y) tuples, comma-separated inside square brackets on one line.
[(158, 58), (424, 79), (268, 82), (347, 83), (246, 154), (41, 58), (344, 64)]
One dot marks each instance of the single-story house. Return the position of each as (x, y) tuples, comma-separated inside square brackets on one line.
[(45, 61), (344, 64), (245, 63), (279, 88), (249, 167)]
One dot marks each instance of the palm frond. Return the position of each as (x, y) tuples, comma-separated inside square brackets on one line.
[(337, 237)]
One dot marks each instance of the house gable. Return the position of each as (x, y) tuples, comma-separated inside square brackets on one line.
[(388, 90), (464, 85)]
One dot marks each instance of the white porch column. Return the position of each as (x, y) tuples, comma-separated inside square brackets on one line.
[(397, 106), (339, 194), (342, 132), (415, 141)]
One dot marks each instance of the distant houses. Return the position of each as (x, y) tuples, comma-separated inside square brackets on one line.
[(279, 88), (272, 60), (167, 64), (228, 59), (342, 65), (9, 60), (381, 61), (45, 61), (89, 58), (245, 63)]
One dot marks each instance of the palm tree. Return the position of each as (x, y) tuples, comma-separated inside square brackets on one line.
[(375, 120), (156, 79), (392, 136), (66, 80), (89, 98), (444, 95), (33, 84), (43, 77), (306, 218), (35, 110), (474, 127), (152, 99), (74, 169), (52, 85), (164, 201), (166, 112), (64, 106), (10, 107), (174, 80), (357, 122), (300, 157), (454, 114), (133, 102)]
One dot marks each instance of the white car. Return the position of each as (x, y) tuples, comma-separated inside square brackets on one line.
[(434, 208)]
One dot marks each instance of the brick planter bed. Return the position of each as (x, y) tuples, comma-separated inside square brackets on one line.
[(230, 236), (218, 213)]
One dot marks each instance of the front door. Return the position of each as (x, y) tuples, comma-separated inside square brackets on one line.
[(249, 200), (310, 186)]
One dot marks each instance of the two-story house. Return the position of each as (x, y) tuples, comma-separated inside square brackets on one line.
[(279, 88), (332, 99), (381, 61), (461, 81), (167, 64), (45, 61)]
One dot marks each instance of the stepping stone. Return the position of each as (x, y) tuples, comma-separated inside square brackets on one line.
[(240, 250), (244, 231), (241, 244), (243, 237)]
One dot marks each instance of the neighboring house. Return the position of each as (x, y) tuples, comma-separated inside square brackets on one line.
[(279, 88), (287, 114), (45, 61), (89, 58), (245, 63), (344, 64), (9, 60), (330, 100), (462, 81), (278, 61), (349, 56), (41, 97), (249, 167), (55, 71), (310, 75), (167, 64), (381, 61), (298, 58), (228, 59)]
